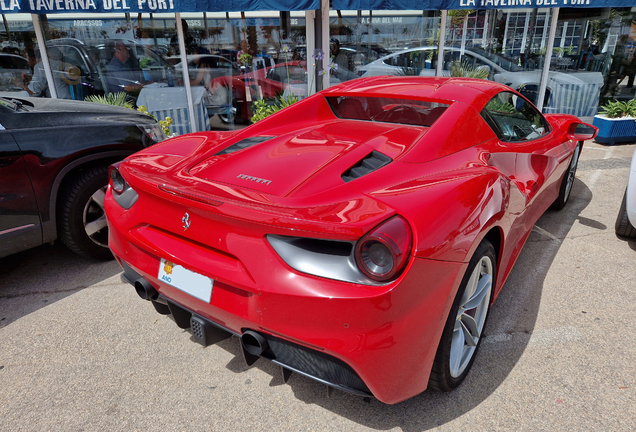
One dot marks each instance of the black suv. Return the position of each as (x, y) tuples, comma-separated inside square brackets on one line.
[(54, 158)]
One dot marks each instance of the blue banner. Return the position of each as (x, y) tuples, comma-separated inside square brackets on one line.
[(152, 6), (473, 4)]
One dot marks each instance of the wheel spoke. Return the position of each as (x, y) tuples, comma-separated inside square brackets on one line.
[(98, 198), (471, 287), (96, 226), (470, 329), (483, 288), (457, 349)]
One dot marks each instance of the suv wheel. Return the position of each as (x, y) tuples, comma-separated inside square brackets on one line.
[(82, 220)]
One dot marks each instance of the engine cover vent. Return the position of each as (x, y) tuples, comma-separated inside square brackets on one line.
[(373, 161), (243, 144)]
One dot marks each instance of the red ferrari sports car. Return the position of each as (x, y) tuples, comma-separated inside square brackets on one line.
[(357, 237)]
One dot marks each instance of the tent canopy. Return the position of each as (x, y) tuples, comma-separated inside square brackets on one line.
[(473, 4)]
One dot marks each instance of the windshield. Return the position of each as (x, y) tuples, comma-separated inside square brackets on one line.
[(388, 110)]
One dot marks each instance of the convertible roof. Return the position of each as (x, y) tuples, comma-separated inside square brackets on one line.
[(474, 92)]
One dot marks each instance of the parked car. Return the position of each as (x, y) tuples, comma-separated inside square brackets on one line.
[(244, 88), (367, 226), (54, 157), (213, 65), (626, 220), (571, 92), (92, 60), (12, 67), (282, 79)]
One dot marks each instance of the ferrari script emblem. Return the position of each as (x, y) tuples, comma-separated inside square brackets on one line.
[(254, 179), (186, 221)]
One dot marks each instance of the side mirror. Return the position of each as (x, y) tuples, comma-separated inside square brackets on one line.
[(581, 132)]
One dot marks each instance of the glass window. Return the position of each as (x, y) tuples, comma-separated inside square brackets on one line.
[(512, 118), (18, 54), (387, 110), (248, 56), (593, 60), (371, 43), (96, 55), (506, 46)]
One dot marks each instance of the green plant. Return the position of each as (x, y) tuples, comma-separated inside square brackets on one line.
[(618, 109), (165, 123), (116, 99), (464, 69), (497, 105), (245, 59), (146, 62), (263, 108)]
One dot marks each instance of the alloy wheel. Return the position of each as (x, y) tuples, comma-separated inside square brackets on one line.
[(471, 317), (94, 218)]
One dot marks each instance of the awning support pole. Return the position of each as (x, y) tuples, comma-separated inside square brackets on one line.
[(442, 39), (546, 60), (44, 55), (186, 72)]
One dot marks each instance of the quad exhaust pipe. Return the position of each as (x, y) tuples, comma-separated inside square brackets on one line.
[(254, 345), (145, 290)]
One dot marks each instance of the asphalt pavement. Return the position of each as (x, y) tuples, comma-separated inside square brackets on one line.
[(79, 351)]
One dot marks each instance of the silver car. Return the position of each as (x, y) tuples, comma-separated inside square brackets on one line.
[(626, 220), (568, 92)]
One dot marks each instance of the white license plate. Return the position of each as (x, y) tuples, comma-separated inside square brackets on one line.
[(189, 282)]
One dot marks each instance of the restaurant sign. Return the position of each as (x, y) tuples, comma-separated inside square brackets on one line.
[(376, 5), (151, 6)]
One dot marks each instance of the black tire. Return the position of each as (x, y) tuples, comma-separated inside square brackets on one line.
[(568, 180), (623, 226), (442, 376), (81, 208)]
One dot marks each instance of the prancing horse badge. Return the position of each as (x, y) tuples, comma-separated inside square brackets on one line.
[(186, 221)]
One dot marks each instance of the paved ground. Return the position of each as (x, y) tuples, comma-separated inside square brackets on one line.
[(79, 351)]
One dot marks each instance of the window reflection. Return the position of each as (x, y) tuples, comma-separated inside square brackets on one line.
[(18, 54)]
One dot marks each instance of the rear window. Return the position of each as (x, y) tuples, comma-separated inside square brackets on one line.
[(387, 110)]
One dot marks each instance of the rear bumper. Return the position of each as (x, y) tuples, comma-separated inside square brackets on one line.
[(378, 341), (291, 356)]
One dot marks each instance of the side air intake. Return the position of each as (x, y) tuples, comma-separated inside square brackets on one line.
[(243, 144), (373, 161)]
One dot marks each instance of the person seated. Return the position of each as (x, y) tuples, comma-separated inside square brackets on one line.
[(203, 77), (38, 85), (120, 76)]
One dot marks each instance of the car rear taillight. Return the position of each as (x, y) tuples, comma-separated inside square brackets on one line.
[(382, 253)]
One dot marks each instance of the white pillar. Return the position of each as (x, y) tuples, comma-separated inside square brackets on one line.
[(44, 55), (310, 35), (186, 73), (442, 39), (546, 60), (324, 17)]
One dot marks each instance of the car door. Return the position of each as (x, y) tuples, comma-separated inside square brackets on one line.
[(539, 155), (20, 227)]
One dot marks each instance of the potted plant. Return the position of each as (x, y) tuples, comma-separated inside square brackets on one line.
[(616, 122)]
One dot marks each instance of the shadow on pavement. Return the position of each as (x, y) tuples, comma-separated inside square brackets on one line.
[(41, 276)]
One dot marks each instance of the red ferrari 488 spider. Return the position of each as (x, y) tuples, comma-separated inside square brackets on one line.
[(357, 237)]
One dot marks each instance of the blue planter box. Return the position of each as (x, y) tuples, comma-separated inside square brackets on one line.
[(611, 131)]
